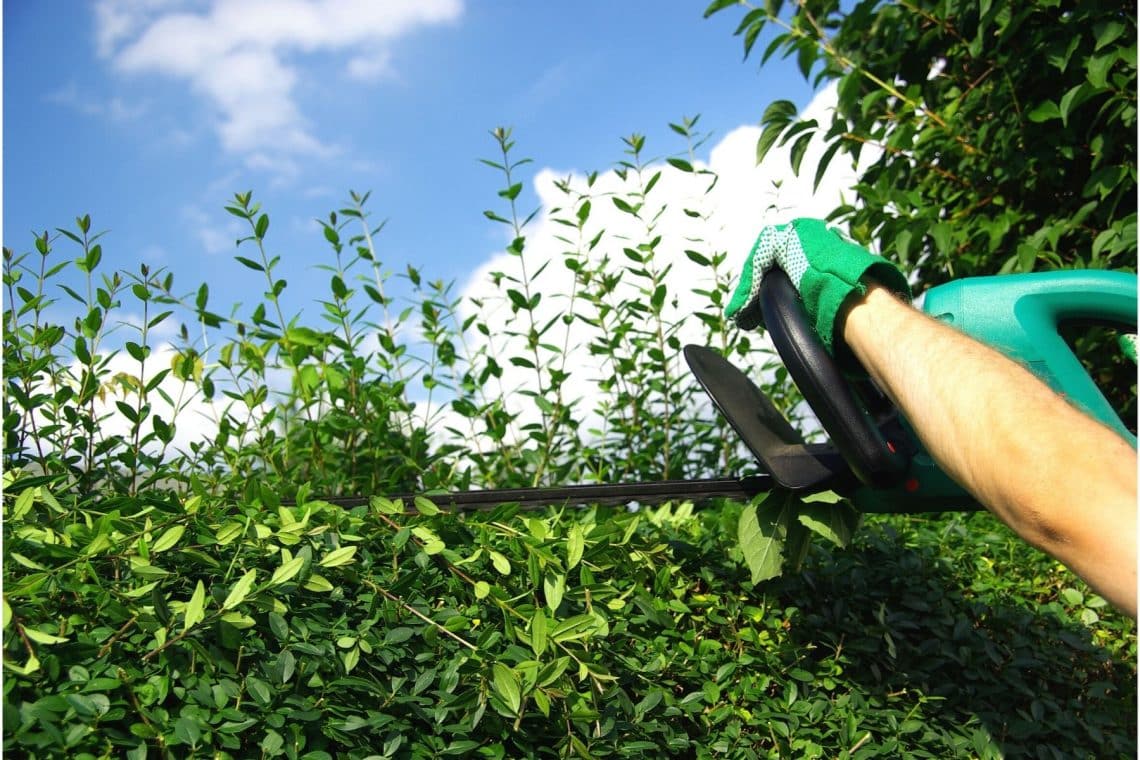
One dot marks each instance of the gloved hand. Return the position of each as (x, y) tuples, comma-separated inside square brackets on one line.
[(825, 266)]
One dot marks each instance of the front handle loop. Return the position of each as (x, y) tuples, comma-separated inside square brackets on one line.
[(875, 460)]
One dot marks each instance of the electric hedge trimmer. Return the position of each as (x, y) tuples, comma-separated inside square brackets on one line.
[(873, 456)]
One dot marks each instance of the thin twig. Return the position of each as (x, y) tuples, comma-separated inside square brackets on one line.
[(118, 634), (392, 597)]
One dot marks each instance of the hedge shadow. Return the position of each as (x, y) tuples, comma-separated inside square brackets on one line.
[(961, 652)]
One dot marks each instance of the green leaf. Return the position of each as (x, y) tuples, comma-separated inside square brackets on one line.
[(239, 620), (538, 632), (835, 521), (385, 506), (350, 659), (824, 162), (577, 627), (718, 5), (796, 542), (287, 570), (240, 590), (542, 702), (1072, 99), (31, 666), (318, 584), (43, 638), (168, 539), (767, 139), (287, 662), (697, 258), (1107, 33), (799, 149), (262, 226), (574, 545), (426, 506), (902, 245), (272, 744), (501, 563), (228, 532), (551, 672), (303, 336), (583, 212), (506, 685), (24, 501), (143, 570), (511, 192), (1098, 67), (1026, 256), (1044, 111), (553, 588), (278, 626), (942, 233), (1072, 597), (259, 690), (88, 705), (482, 589), (823, 497), (762, 530), (779, 112), (338, 557), (195, 609), (399, 635)]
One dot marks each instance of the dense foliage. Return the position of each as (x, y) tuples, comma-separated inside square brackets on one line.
[(171, 599), (1000, 136), (312, 632)]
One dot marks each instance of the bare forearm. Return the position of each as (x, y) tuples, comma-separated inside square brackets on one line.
[(1064, 482)]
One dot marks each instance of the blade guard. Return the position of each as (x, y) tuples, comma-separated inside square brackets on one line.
[(777, 446)]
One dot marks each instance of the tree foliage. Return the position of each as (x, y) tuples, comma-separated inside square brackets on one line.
[(995, 136)]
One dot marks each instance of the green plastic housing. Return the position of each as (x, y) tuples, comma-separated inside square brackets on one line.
[(1019, 315)]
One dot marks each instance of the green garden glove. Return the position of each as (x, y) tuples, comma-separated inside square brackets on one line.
[(825, 266)]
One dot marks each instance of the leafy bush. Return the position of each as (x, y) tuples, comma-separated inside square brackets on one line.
[(170, 597), (167, 602)]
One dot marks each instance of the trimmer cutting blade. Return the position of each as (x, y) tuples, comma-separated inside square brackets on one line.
[(779, 448)]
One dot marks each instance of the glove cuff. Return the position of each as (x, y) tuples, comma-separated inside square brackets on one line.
[(831, 290)]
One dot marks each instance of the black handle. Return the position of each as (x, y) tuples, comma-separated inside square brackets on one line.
[(874, 460)]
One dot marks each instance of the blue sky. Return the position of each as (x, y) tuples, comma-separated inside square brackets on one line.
[(149, 114)]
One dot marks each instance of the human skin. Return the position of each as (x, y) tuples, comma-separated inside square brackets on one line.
[(1061, 480)]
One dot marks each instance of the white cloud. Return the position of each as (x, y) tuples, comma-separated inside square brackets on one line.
[(744, 198), (213, 238), (116, 20), (371, 67), (242, 57), (116, 109)]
